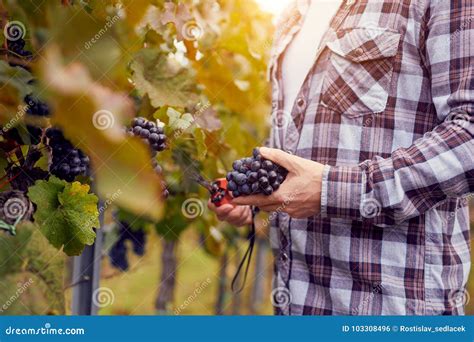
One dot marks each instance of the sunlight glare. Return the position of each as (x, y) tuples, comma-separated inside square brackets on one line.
[(274, 7)]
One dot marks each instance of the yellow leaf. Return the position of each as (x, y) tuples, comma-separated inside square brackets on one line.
[(92, 117)]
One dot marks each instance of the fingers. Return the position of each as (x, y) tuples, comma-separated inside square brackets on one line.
[(255, 200), (223, 209), (271, 208), (278, 156), (235, 215), (240, 216)]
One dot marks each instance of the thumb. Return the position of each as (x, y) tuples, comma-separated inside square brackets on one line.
[(278, 156)]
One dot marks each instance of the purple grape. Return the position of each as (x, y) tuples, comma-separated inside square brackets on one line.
[(255, 166), (232, 186), (255, 175), (241, 179)]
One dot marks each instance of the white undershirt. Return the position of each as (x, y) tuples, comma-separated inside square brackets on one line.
[(301, 53)]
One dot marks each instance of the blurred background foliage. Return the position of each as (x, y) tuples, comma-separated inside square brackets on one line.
[(198, 66)]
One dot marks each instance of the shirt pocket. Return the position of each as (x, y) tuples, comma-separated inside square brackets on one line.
[(360, 68)]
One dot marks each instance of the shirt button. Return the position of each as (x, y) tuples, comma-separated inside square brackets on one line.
[(300, 102), (359, 51), (284, 257)]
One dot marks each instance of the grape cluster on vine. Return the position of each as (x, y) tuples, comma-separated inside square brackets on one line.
[(36, 107), (149, 131), (155, 137), (67, 161), (118, 252), (16, 49), (255, 175)]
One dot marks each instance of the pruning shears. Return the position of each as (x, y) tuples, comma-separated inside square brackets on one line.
[(220, 196), (218, 189)]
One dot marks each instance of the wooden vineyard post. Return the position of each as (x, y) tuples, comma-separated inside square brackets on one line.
[(86, 274)]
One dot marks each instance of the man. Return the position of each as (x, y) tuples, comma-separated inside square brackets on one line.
[(372, 218)]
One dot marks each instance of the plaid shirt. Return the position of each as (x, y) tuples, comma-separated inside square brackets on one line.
[(388, 106)]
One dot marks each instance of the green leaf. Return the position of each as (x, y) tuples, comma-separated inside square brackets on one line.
[(165, 81), (66, 213), (29, 257), (178, 121)]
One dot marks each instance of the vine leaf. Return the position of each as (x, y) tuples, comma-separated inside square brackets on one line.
[(178, 121), (165, 81), (66, 213), (178, 15)]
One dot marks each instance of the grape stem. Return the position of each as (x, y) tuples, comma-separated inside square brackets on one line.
[(9, 180)]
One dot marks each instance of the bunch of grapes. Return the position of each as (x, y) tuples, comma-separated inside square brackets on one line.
[(255, 175), (68, 162), (16, 48), (155, 137), (118, 255), (36, 107), (150, 132), (118, 252)]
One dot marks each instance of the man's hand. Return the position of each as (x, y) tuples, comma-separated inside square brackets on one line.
[(235, 215), (300, 194)]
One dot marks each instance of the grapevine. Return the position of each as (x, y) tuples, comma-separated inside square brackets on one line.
[(170, 101), (67, 161)]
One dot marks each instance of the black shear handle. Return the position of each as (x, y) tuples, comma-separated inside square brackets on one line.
[(246, 259)]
